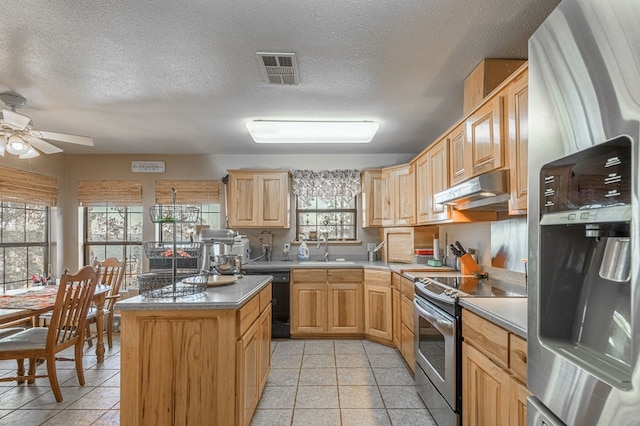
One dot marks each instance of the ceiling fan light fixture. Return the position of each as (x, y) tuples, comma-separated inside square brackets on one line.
[(276, 131), (31, 153), (17, 146)]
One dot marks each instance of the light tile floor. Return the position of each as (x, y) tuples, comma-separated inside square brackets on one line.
[(312, 382)]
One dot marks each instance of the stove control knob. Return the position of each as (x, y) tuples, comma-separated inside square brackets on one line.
[(448, 292), (454, 294)]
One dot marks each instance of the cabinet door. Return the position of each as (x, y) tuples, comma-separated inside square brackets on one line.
[(248, 374), (407, 347), (423, 185), (309, 308), (485, 390), (345, 308), (265, 346), (460, 156), (372, 198), (438, 180), (517, 403), (518, 134), (273, 199), (483, 134), (386, 186), (378, 312), (242, 200), (404, 195), (397, 329)]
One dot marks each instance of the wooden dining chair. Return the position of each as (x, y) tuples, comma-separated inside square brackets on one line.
[(112, 275), (66, 329)]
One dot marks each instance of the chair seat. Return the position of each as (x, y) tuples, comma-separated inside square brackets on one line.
[(5, 332), (29, 339)]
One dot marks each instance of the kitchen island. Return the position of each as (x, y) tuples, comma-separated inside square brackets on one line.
[(196, 360)]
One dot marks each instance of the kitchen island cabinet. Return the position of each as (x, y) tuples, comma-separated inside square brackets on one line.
[(195, 360)]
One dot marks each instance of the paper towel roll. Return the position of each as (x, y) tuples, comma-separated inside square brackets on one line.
[(436, 249)]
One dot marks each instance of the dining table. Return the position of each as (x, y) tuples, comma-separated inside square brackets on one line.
[(34, 301)]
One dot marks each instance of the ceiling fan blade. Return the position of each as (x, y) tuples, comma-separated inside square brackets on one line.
[(43, 146), (61, 137), (15, 120)]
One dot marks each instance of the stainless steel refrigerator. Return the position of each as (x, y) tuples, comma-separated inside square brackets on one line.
[(584, 215)]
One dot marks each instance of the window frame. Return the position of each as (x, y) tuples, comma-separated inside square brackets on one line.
[(354, 211), (45, 245)]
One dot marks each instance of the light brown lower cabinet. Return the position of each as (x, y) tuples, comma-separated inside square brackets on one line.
[(493, 374), (194, 367), (397, 321), (326, 302), (378, 321)]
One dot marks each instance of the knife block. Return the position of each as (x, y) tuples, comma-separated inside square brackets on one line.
[(468, 266)]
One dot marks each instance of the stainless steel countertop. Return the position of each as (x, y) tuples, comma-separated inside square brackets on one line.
[(509, 313), (231, 296)]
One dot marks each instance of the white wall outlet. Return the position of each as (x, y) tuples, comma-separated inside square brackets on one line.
[(287, 247)]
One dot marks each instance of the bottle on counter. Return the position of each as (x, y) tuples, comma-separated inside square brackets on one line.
[(303, 251)]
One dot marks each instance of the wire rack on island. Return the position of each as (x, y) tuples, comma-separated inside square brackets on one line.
[(174, 214), (164, 250), (167, 283)]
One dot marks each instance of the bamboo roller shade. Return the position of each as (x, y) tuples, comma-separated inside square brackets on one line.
[(115, 192), (187, 191), (20, 186)]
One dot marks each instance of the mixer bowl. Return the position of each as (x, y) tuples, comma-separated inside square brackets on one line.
[(227, 264)]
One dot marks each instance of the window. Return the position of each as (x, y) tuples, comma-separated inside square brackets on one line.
[(336, 217), (209, 217), (24, 243), (115, 231)]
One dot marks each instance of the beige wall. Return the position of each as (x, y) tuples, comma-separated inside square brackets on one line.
[(199, 167)]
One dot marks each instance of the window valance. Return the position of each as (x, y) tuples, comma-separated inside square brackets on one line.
[(19, 186), (326, 184), (114, 192), (188, 191)]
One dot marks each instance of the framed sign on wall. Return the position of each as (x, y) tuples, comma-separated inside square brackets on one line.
[(147, 167)]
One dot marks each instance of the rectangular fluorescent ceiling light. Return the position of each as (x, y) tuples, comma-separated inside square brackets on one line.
[(265, 131)]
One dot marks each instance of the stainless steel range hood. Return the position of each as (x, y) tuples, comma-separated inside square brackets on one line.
[(487, 192)]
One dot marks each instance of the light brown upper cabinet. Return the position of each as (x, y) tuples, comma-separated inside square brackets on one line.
[(518, 141), (483, 136), (459, 156), (258, 198), (432, 176), (372, 198), (398, 189)]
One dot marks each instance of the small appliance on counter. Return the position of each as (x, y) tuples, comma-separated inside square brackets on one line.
[(219, 255)]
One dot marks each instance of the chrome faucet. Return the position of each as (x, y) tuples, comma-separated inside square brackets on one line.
[(324, 236)]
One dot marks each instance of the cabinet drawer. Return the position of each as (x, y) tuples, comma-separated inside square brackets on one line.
[(345, 275), (487, 337), (407, 312), (407, 287), (374, 277), (309, 275), (248, 314), (407, 348), (265, 297), (518, 357)]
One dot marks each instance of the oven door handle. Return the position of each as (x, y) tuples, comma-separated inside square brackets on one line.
[(442, 323)]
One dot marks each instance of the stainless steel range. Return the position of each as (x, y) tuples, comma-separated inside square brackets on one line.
[(437, 337)]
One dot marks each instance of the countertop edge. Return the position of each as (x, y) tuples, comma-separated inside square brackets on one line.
[(501, 320)]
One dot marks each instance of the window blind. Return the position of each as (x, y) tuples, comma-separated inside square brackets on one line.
[(20, 186), (187, 191), (114, 192)]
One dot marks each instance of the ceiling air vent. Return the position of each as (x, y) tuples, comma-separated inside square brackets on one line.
[(279, 68)]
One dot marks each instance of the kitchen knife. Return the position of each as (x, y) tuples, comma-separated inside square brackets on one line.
[(455, 251), (460, 248)]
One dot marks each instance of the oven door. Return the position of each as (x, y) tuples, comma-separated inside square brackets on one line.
[(436, 336)]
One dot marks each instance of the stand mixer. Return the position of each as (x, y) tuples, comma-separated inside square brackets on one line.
[(218, 244)]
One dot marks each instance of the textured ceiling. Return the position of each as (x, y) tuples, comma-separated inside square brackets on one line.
[(161, 77)]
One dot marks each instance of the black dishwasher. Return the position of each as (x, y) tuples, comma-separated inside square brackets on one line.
[(280, 322)]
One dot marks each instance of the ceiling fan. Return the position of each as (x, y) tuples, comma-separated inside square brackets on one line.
[(18, 137)]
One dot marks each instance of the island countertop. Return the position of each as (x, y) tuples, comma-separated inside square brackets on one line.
[(231, 296)]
